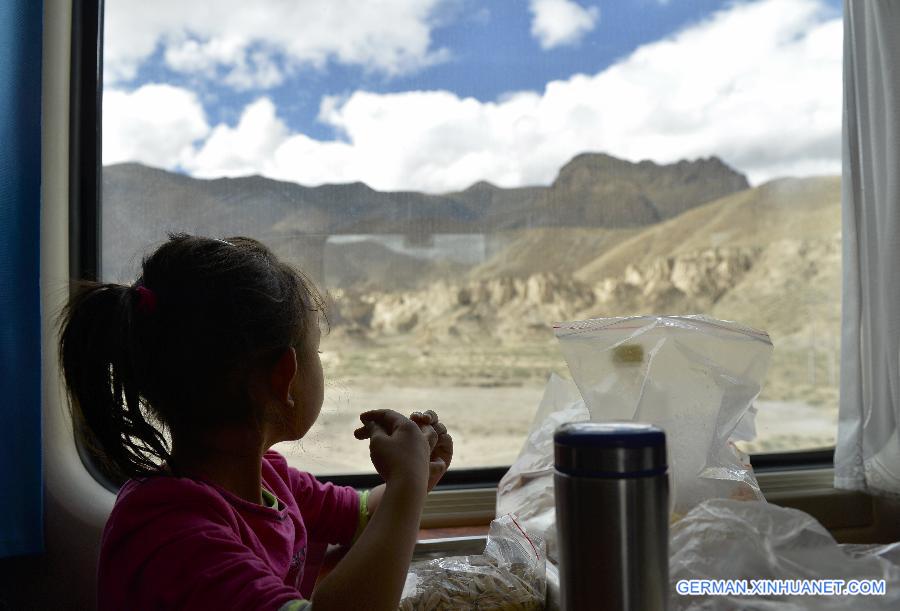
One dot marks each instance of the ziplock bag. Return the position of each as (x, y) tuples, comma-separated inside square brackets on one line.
[(527, 488), (510, 575), (692, 376), (722, 539), (695, 377)]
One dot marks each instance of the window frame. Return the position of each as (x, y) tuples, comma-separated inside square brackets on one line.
[(85, 170), (85, 243)]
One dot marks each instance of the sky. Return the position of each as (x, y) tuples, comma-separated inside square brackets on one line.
[(435, 95)]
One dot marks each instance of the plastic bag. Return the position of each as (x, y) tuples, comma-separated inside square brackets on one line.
[(730, 540), (693, 376), (527, 488), (509, 576)]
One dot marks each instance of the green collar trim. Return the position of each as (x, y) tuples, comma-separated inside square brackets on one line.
[(269, 499)]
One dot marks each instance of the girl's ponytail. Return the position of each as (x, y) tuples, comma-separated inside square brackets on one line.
[(101, 369), (175, 352)]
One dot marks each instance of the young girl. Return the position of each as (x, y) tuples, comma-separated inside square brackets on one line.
[(215, 347)]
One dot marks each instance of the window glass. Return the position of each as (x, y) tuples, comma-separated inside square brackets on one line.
[(460, 174)]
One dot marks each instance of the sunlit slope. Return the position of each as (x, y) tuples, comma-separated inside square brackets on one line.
[(768, 256), (786, 209), (557, 250)]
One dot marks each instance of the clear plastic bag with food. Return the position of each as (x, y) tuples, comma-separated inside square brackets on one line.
[(510, 575), (729, 541), (693, 376)]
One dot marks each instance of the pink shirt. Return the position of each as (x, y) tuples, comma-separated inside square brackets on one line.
[(179, 543)]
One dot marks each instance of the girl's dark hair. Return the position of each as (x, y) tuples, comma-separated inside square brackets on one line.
[(173, 351)]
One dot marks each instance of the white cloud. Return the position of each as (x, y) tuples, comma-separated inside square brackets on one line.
[(561, 22), (757, 84), (238, 151), (254, 44), (155, 124)]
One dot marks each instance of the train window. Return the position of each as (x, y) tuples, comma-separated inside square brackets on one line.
[(459, 174)]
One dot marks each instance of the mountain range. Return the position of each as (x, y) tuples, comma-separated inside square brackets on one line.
[(606, 238), (593, 190)]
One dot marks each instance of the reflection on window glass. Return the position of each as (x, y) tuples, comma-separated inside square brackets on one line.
[(459, 174)]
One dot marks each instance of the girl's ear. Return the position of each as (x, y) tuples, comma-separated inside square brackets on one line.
[(282, 375)]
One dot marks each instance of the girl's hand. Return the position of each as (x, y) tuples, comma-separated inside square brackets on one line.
[(398, 448), (441, 452)]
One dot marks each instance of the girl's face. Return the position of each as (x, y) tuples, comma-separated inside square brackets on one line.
[(308, 386)]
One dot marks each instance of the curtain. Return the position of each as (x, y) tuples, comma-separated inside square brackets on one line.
[(867, 455), (21, 486)]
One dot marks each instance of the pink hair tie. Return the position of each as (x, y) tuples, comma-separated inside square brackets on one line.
[(146, 300)]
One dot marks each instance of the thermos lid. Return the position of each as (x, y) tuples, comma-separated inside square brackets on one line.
[(610, 449)]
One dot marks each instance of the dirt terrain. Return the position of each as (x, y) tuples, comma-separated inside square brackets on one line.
[(488, 424)]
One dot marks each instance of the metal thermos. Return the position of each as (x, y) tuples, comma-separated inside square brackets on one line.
[(612, 516)]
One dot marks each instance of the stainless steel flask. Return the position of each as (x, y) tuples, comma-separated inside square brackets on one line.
[(612, 516)]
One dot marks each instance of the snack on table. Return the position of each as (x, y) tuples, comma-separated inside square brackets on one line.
[(472, 582), (509, 576)]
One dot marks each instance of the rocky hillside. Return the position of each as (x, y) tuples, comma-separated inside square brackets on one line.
[(633, 193), (790, 208), (598, 190), (768, 257)]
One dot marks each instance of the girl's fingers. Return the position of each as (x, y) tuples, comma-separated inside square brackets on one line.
[(443, 449), (431, 435), (427, 427), (436, 468), (387, 419), (365, 431), (420, 418), (379, 421), (428, 421)]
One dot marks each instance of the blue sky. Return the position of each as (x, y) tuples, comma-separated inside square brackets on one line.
[(435, 94)]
